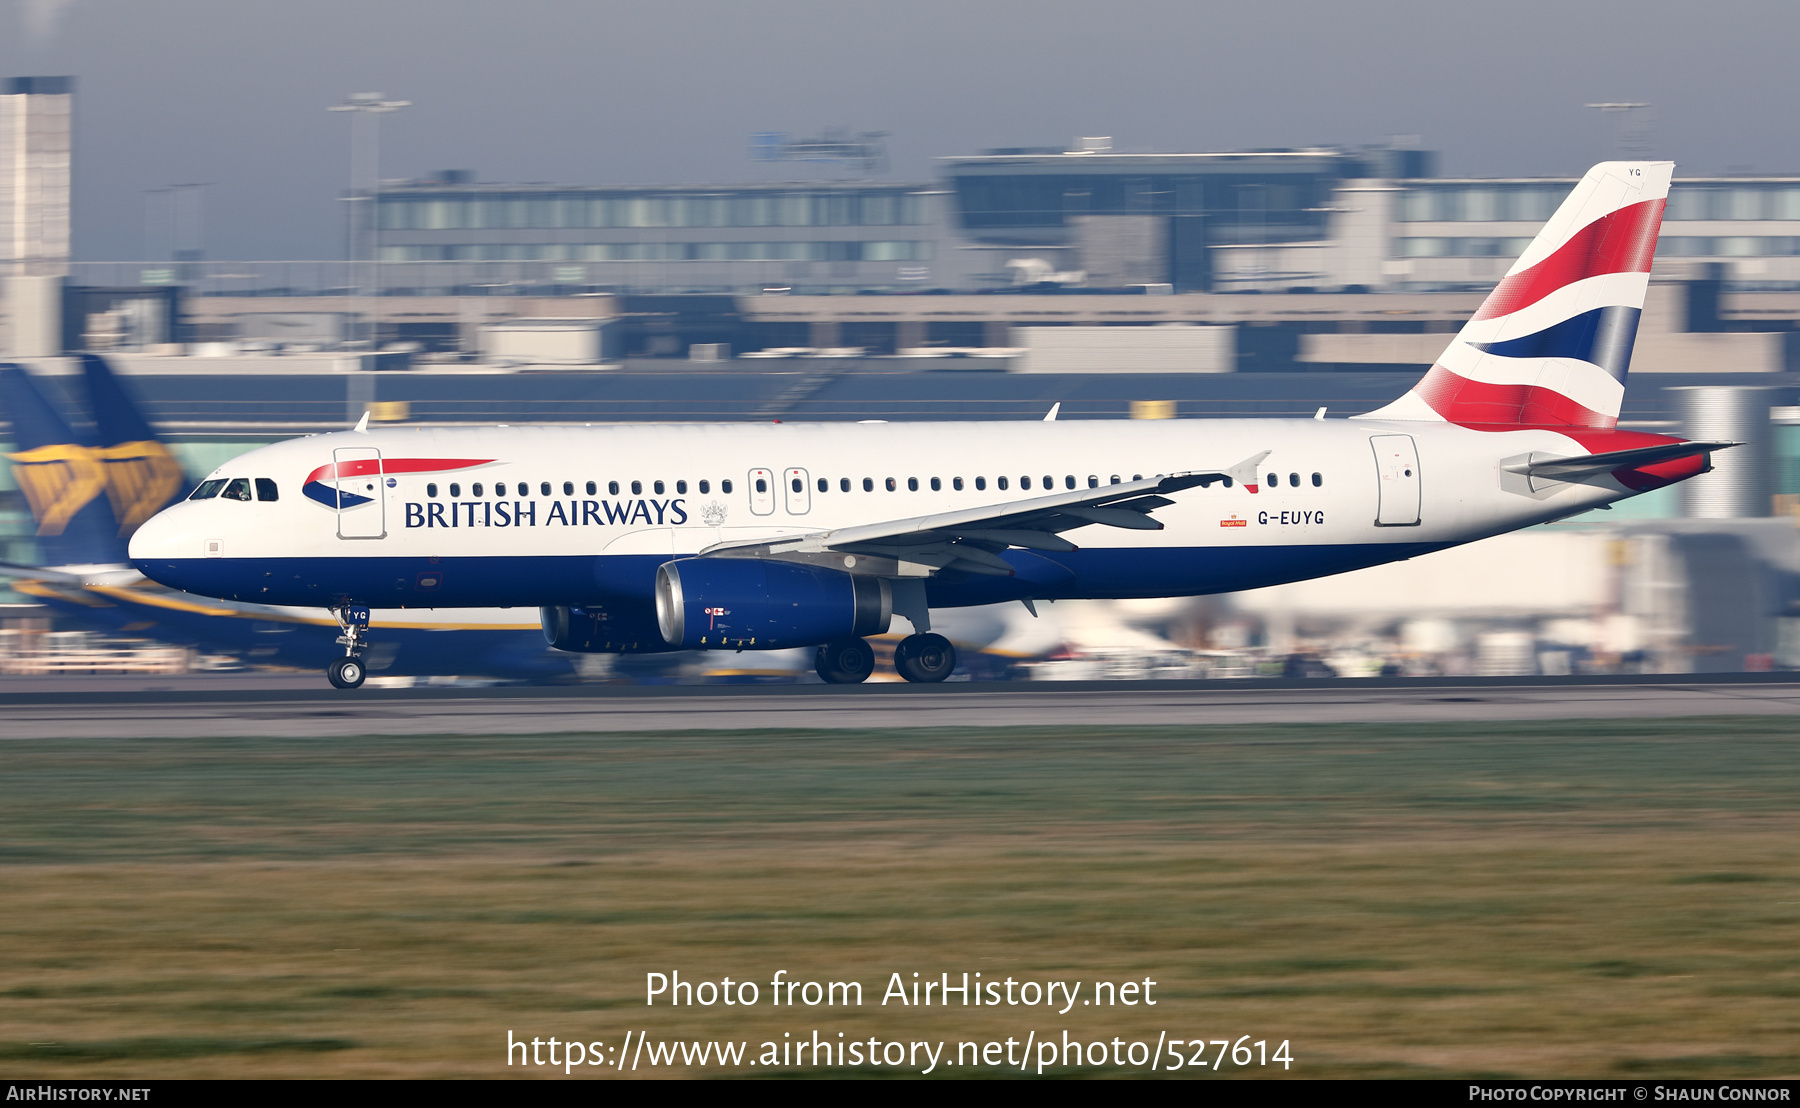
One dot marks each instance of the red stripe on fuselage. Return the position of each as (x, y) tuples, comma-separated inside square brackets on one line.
[(362, 467), (1623, 242)]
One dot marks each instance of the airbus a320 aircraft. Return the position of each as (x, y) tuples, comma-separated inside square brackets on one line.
[(765, 536)]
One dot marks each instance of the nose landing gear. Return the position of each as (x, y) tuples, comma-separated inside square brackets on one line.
[(348, 672)]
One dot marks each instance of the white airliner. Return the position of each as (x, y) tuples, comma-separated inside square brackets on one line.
[(770, 536)]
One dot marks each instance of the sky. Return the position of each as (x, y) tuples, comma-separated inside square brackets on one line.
[(233, 92)]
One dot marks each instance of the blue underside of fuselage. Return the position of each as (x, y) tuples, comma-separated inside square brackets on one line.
[(527, 581)]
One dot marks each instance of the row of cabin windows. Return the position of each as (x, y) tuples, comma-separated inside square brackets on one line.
[(892, 484), (523, 488), (1004, 483), (235, 488)]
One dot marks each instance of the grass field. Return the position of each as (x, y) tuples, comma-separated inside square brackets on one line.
[(1585, 899)]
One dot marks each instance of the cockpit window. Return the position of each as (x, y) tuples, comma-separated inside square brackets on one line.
[(238, 489), (208, 489), (266, 490)]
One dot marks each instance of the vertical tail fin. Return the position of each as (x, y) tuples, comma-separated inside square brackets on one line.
[(62, 477), (142, 477), (1551, 344)]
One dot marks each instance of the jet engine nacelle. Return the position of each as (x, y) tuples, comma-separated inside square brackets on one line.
[(749, 603), (596, 630)]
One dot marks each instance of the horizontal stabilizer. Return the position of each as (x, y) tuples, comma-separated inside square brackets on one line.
[(1562, 469)]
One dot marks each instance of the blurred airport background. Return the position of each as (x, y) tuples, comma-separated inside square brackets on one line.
[(1117, 283)]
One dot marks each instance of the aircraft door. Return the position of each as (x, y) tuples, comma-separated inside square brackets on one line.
[(762, 492), (361, 492), (799, 497), (1397, 470)]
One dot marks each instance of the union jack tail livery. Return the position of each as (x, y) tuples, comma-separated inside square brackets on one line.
[(1551, 344)]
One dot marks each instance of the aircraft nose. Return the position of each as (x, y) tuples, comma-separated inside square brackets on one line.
[(165, 536)]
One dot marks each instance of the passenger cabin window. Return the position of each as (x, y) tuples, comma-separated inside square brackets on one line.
[(455, 489), (544, 489), (592, 488), (936, 485), (798, 485), (475, 489), (724, 486), (1318, 480), (681, 487), (1050, 483), (1025, 482), (956, 483), (265, 490), (431, 490), (637, 488), (612, 488), (1000, 483), (207, 489), (981, 484), (891, 486), (238, 489), (824, 484), (1069, 480), (912, 484), (657, 488), (705, 487), (568, 488), (843, 484), (868, 484), (762, 485)]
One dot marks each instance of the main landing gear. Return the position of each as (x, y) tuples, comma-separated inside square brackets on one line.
[(844, 662), (924, 659), (348, 672)]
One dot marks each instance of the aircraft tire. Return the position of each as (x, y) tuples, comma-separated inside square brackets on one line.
[(924, 659), (346, 673), (845, 662)]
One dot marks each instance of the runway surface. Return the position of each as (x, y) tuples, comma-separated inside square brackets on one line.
[(291, 707)]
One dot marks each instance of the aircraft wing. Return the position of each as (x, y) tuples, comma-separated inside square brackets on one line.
[(971, 539), (1564, 469)]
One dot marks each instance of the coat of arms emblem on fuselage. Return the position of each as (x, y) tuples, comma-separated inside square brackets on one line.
[(712, 513)]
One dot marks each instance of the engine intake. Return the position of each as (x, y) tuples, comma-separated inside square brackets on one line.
[(749, 603)]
